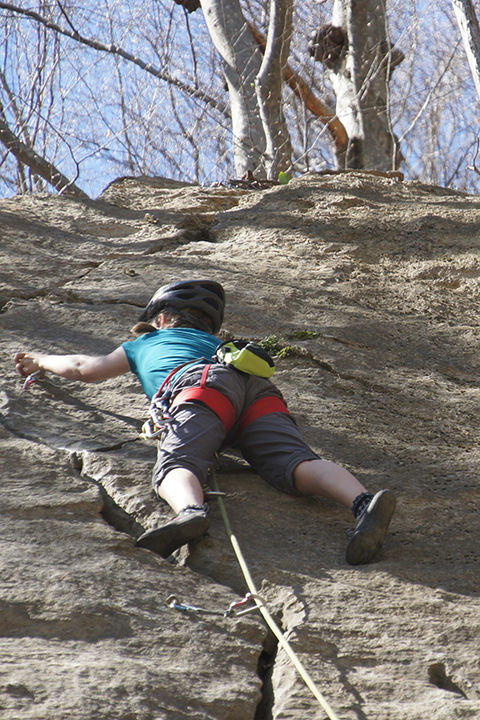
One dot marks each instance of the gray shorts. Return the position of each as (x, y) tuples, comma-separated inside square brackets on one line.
[(272, 444)]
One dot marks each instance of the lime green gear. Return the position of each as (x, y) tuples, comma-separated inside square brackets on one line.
[(248, 357)]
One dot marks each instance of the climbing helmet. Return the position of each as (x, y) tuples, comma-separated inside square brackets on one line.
[(207, 296)]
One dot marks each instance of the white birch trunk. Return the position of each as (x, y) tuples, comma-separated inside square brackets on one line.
[(269, 83), (470, 31), (360, 82), (242, 60)]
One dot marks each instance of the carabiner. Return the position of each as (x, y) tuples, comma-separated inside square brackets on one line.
[(32, 378), (247, 600), (150, 431)]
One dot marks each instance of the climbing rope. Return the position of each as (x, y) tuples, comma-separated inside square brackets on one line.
[(264, 610)]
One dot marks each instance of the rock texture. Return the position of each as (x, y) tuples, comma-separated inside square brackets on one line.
[(370, 287)]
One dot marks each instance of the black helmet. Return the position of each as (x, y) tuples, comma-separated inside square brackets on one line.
[(205, 295)]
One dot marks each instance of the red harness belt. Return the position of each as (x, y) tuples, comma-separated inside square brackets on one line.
[(223, 408), (259, 408)]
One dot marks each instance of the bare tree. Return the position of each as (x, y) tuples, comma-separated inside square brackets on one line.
[(310, 101), (84, 136), (93, 90)]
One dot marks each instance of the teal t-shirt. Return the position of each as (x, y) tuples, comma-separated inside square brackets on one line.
[(154, 355)]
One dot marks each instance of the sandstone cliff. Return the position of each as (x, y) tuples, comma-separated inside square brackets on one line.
[(370, 287)]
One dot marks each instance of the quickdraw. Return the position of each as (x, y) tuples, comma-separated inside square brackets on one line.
[(235, 609)]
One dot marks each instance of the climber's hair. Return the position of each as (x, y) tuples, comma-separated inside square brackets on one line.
[(174, 318)]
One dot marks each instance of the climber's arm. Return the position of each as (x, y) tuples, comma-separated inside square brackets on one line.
[(87, 368)]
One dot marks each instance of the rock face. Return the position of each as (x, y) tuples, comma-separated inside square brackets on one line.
[(370, 287)]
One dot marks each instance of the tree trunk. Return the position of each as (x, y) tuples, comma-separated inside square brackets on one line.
[(360, 74), (305, 93), (470, 31), (242, 60), (269, 84)]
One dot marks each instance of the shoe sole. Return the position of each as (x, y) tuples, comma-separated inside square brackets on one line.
[(165, 540), (368, 538)]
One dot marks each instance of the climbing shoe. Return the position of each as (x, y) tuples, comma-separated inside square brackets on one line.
[(191, 523), (370, 528)]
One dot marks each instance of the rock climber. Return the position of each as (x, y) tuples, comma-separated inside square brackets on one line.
[(208, 405)]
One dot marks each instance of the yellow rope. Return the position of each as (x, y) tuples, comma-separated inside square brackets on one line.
[(265, 613)]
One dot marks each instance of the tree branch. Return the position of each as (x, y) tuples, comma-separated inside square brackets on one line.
[(298, 85), (115, 49), (37, 164)]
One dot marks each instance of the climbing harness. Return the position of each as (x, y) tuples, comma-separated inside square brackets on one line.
[(235, 609), (159, 410), (243, 355), (32, 378), (223, 408), (162, 403)]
